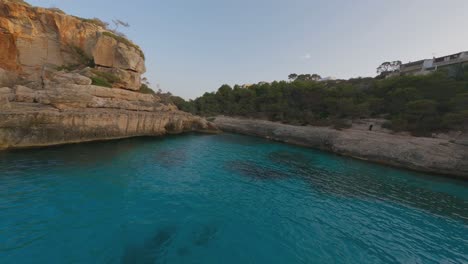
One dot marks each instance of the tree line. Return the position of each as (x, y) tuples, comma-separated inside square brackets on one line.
[(419, 104)]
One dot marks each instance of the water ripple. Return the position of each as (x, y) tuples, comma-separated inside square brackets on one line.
[(222, 199)]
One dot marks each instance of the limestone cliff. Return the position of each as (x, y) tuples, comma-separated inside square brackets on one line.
[(437, 155), (65, 79), (33, 38)]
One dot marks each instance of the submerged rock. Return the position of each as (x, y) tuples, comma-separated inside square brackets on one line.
[(151, 250), (254, 170)]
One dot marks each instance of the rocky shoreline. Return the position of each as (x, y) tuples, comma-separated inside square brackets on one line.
[(33, 125), (434, 155)]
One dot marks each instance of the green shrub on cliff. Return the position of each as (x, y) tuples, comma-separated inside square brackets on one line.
[(144, 88), (100, 82), (83, 60), (104, 79), (82, 57), (69, 67), (57, 10), (95, 21)]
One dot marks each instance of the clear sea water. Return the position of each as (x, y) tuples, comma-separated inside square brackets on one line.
[(222, 199)]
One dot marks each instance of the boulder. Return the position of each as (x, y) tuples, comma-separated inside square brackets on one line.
[(71, 78), (6, 95), (126, 79), (24, 94), (111, 53)]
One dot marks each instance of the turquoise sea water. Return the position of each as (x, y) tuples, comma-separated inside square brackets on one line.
[(222, 199)]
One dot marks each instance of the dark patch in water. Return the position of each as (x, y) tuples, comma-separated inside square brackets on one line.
[(254, 170), (171, 158), (205, 235), (293, 160), (370, 186), (79, 155), (378, 187), (150, 250), (184, 251), (240, 140)]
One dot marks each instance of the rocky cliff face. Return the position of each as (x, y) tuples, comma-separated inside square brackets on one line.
[(33, 38), (50, 67), (435, 155)]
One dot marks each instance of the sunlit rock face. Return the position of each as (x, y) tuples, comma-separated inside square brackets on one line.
[(32, 38), (49, 62)]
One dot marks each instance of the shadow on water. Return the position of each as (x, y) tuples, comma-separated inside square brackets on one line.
[(353, 183), (205, 235), (291, 159), (82, 154), (183, 251), (171, 157), (254, 170), (240, 140), (151, 250), (154, 249)]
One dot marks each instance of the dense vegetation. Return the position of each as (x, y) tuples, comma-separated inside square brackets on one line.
[(144, 88), (420, 104)]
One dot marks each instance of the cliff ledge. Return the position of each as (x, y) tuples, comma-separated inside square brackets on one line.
[(66, 79)]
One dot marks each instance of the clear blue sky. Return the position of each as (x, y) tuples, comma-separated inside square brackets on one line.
[(196, 46)]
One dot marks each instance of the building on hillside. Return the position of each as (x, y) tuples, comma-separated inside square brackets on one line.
[(426, 66), (326, 79)]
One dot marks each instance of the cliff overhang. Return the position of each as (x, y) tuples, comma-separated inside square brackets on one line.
[(65, 79)]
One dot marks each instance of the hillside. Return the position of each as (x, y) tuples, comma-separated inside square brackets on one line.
[(422, 105)]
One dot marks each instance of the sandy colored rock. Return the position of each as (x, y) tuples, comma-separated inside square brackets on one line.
[(42, 105), (7, 78), (104, 51), (127, 79), (423, 154), (38, 125), (24, 94), (110, 53), (32, 38), (70, 78), (6, 95), (8, 52), (6, 91)]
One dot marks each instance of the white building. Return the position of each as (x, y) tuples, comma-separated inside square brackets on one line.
[(429, 65)]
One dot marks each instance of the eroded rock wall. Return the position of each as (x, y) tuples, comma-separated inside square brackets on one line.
[(45, 126), (43, 102), (32, 38), (66, 108)]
